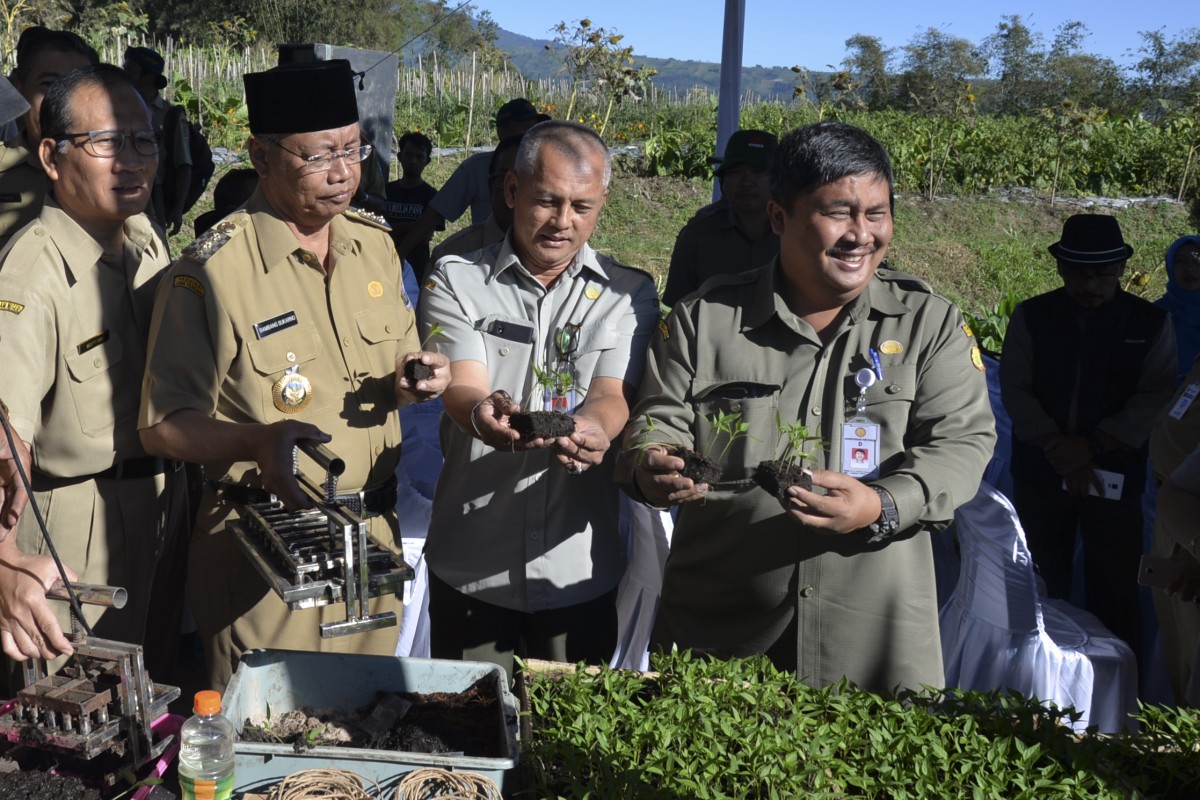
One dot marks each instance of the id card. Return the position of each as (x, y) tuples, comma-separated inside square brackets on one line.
[(860, 449), (1113, 483), (1184, 402)]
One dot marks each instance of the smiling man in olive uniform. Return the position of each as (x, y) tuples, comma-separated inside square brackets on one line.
[(837, 582), (287, 321)]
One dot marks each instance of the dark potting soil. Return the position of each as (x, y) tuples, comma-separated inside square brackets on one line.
[(465, 722), (542, 424), (446, 722), (775, 477), (416, 372), (701, 469), (43, 786)]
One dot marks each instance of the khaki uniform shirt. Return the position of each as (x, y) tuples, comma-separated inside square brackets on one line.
[(74, 330), (514, 529), (712, 244), (745, 578), (23, 186), (246, 303), (468, 240), (242, 305)]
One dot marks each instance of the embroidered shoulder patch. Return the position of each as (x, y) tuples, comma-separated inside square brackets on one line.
[(212, 240), (369, 217), (11, 306), (191, 284)]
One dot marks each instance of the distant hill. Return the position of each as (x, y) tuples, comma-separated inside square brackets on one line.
[(534, 61)]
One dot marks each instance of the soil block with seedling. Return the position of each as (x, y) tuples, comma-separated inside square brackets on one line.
[(788, 470), (700, 467), (547, 424), (414, 370)]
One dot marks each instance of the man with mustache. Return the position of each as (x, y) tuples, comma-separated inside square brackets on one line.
[(1085, 372), (834, 581), (77, 288), (523, 550), (287, 321)]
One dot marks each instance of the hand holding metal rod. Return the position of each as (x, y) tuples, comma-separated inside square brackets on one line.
[(91, 593)]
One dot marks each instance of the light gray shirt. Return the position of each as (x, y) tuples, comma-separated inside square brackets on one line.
[(514, 529)]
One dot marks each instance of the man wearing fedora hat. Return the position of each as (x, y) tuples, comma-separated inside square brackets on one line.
[(287, 321), (145, 66), (1086, 369), (735, 235)]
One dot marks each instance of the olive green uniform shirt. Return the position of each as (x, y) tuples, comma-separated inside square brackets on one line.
[(74, 332), (743, 577), (23, 186), (242, 305), (712, 244)]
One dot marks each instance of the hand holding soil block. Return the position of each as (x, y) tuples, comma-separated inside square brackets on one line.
[(542, 425)]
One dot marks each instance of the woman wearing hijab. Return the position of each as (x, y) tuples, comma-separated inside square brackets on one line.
[(1182, 299)]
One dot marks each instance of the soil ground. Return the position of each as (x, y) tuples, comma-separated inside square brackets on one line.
[(701, 469), (543, 424), (775, 477)]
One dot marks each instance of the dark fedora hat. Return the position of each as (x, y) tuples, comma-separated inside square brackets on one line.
[(1090, 241)]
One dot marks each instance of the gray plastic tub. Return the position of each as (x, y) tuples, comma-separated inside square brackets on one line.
[(287, 680)]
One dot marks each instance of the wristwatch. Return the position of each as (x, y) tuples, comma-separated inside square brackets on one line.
[(889, 518)]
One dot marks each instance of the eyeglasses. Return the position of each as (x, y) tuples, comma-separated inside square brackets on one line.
[(107, 144), (325, 161)]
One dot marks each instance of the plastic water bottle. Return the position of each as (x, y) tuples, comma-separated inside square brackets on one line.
[(206, 751)]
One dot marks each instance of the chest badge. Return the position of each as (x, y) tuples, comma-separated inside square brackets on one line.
[(292, 392)]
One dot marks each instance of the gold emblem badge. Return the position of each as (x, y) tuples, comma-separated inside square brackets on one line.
[(664, 330), (292, 392), (430, 284), (375, 289), (977, 357), (967, 330), (891, 347), (860, 432), (591, 292)]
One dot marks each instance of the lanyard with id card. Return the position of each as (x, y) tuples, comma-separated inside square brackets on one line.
[(860, 434)]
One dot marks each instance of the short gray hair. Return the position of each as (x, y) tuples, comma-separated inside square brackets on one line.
[(568, 138)]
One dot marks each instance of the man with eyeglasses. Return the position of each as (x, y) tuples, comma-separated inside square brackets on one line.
[(1085, 372), (523, 548), (285, 322), (77, 289)]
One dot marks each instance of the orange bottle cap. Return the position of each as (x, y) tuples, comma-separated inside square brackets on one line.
[(207, 702)]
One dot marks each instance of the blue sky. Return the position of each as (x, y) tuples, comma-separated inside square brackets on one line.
[(813, 34)]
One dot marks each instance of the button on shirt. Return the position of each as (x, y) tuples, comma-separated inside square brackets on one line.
[(515, 529)]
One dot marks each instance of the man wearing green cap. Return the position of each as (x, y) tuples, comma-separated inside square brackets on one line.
[(287, 321), (733, 236)]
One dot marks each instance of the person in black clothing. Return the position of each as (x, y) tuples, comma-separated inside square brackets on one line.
[(1085, 372), (406, 198)]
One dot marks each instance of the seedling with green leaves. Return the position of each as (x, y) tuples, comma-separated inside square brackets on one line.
[(731, 425), (434, 331), (789, 469)]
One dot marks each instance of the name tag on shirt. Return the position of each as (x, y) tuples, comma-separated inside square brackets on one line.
[(860, 449), (1184, 402)]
